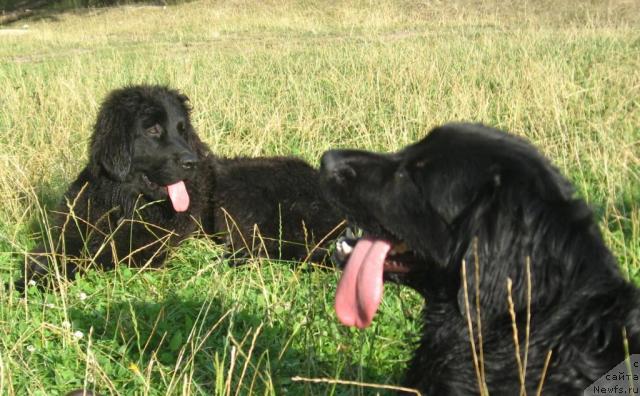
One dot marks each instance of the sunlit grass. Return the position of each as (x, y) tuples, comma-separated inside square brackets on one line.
[(293, 78)]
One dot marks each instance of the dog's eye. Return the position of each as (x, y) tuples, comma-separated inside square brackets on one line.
[(154, 131)]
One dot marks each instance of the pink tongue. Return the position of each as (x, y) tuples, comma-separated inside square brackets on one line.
[(179, 196), (360, 289)]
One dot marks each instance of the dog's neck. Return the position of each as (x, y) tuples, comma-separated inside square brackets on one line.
[(536, 245)]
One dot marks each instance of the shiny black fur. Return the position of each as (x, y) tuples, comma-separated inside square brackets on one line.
[(117, 210), (467, 182), (272, 206)]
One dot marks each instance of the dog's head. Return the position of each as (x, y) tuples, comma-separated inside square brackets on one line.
[(143, 136), (421, 207)]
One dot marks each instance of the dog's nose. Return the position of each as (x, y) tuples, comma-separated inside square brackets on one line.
[(188, 161), (334, 165)]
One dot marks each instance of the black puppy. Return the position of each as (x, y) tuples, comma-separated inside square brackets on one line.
[(143, 190), (272, 206), (468, 192)]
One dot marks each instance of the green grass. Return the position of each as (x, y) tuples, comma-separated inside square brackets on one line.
[(292, 78)]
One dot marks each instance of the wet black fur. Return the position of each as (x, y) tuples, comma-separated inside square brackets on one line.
[(466, 182), (272, 206), (142, 140)]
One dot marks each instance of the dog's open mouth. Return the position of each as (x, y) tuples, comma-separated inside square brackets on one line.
[(398, 260), (177, 193), (360, 288)]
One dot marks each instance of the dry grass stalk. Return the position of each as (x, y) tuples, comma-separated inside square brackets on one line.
[(544, 373), (474, 354), (355, 383), (516, 341)]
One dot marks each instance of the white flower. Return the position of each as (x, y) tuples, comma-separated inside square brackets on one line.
[(78, 335), (31, 348), (32, 282), (66, 324), (82, 296), (49, 305)]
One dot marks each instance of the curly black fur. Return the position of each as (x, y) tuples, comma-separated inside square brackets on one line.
[(272, 206), (117, 210), (468, 191)]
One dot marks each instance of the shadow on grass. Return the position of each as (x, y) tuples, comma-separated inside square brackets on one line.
[(13, 245), (33, 10), (148, 333), (49, 199)]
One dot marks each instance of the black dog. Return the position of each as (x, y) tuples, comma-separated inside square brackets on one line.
[(144, 189), (272, 206), (465, 193)]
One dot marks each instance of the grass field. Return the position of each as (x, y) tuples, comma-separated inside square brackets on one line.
[(292, 78)]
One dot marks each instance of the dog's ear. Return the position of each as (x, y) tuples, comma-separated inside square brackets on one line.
[(551, 184), (545, 179), (112, 141)]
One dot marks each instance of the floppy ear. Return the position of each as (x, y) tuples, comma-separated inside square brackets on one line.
[(545, 178), (112, 142), (552, 185)]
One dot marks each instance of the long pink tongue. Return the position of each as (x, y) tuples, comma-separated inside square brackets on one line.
[(360, 289), (179, 196)]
